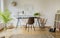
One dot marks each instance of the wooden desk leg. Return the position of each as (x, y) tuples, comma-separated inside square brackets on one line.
[(38, 22), (17, 23)]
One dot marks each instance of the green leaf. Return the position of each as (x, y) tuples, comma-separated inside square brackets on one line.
[(35, 14), (5, 16)]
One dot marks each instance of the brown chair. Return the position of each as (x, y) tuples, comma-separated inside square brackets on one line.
[(30, 22)]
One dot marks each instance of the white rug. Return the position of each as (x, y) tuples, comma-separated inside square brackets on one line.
[(32, 36)]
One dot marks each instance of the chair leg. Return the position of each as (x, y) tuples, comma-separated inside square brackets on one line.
[(34, 27), (31, 27), (26, 27)]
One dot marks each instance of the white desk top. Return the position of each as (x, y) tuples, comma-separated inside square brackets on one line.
[(26, 16)]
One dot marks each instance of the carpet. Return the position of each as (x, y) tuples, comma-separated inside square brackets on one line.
[(32, 36)]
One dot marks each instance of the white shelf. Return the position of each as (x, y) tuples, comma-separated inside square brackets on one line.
[(57, 21), (57, 13)]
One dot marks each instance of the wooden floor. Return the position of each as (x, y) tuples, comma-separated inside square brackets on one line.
[(22, 30), (56, 34)]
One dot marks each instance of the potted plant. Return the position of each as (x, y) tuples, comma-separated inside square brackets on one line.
[(37, 14), (5, 17)]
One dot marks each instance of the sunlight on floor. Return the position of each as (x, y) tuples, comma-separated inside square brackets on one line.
[(10, 32)]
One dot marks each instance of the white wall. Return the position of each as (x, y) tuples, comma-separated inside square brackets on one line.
[(47, 8), (52, 7), (29, 6)]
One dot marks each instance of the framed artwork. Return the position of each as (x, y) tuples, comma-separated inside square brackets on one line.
[(14, 3)]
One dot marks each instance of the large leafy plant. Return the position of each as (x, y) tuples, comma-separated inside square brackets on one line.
[(5, 16)]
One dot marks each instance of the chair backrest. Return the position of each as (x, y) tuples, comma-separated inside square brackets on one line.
[(31, 20), (43, 20)]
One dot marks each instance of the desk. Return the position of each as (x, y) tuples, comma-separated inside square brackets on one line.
[(26, 17)]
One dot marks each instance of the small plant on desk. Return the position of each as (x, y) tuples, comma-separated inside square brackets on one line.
[(37, 14)]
